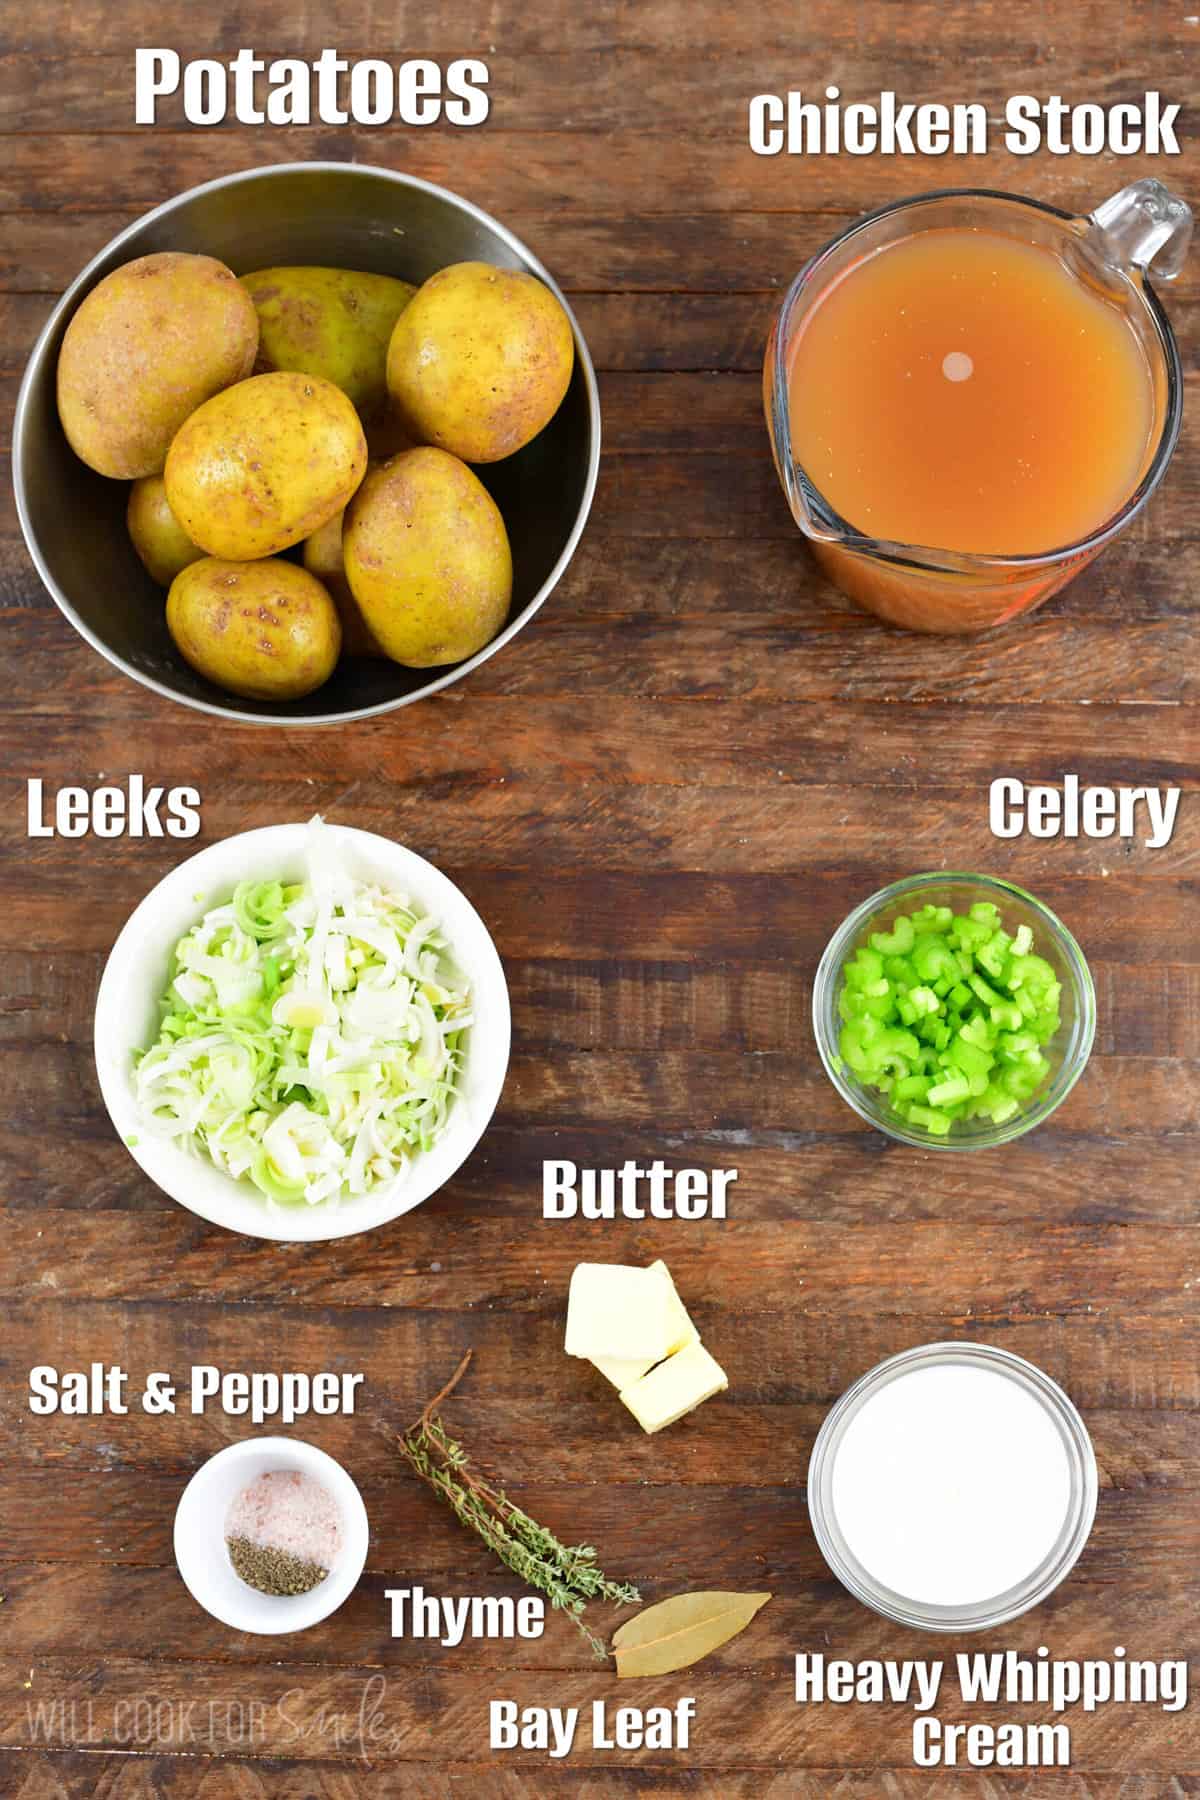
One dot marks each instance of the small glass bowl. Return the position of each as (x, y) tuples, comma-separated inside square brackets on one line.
[(1067, 1051), (1041, 1581)]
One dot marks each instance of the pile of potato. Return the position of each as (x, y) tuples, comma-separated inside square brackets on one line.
[(316, 407)]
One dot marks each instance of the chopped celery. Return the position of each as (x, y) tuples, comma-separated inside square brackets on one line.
[(991, 956), (937, 1122), (898, 942), (948, 1016), (987, 994)]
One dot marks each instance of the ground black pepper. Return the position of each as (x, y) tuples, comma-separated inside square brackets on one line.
[(273, 1571)]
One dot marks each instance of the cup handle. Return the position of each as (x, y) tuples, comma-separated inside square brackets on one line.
[(1144, 226)]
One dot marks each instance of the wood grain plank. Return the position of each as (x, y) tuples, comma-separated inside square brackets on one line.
[(742, 1720), (83, 1167), (881, 1267), (687, 916), (544, 822), (507, 170), (761, 744), (43, 1774), (721, 27)]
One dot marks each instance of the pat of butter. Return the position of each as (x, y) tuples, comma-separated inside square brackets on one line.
[(622, 1371), (614, 1310), (676, 1387), (683, 1332)]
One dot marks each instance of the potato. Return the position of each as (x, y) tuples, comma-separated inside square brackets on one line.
[(323, 558), (427, 558), (265, 464), (479, 362), (148, 345), (335, 323), (265, 630), (159, 539)]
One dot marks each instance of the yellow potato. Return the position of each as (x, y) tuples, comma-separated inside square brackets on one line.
[(427, 558), (265, 464), (159, 539), (479, 362), (323, 558), (335, 323), (148, 345), (265, 630)]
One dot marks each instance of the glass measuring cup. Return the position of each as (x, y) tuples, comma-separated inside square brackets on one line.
[(1113, 249)]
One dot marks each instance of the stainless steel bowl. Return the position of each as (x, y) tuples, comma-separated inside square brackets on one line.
[(338, 214)]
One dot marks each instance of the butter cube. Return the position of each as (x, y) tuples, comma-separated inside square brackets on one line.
[(683, 1331), (622, 1371), (614, 1310), (676, 1387)]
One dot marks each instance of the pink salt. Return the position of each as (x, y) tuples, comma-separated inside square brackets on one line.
[(286, 1510)]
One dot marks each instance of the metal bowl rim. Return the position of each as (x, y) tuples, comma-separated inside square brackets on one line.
[(69, 300)]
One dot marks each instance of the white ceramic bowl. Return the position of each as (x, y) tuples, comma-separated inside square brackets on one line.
[(204, 1562), (136, 974)]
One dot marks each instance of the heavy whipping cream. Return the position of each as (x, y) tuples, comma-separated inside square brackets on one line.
[(951, 1484)]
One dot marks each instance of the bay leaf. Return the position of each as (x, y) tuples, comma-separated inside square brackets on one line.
[(675, 1633)]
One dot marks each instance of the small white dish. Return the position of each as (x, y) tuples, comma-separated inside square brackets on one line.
[(136, 974), (203, 1560)]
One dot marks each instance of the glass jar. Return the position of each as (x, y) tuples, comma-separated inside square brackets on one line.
[(1067, 1051), (1069, 1535)]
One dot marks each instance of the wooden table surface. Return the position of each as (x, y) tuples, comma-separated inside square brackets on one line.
[(662, 798)]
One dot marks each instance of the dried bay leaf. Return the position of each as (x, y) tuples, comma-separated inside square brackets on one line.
[(676, 1633)]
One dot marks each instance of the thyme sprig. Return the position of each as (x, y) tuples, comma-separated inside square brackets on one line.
[(566, 1573)]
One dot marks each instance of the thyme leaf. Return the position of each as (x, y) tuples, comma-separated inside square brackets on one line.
[(566, 1573)]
